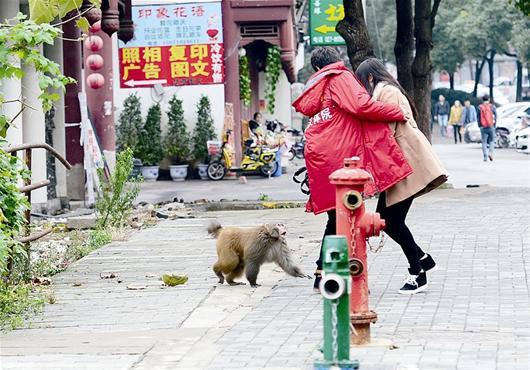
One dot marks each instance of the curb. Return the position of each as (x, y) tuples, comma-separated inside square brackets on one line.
[(247, 206)]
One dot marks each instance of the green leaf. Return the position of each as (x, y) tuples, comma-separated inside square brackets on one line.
[(66, 6), (4, 125), (83, 24), (43, 11)]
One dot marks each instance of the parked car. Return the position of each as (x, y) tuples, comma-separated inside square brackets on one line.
[(522, 140)]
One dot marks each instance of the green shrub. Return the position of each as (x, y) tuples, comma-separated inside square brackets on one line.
[(452, 95), (116, 194), (129, 124), (177, 139), (17, 304), (204, 130), (149, 149), (13, 204)]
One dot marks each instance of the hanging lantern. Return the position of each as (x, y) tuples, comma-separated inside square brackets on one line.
[(96, 27), (94, 62), (90, 12), (95, 80), (94, 43)]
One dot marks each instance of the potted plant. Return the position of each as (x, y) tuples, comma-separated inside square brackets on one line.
[(177, 141), (204, 131), (129, 128), (149, 149)]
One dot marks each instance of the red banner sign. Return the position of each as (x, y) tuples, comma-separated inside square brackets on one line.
[(171, 65)]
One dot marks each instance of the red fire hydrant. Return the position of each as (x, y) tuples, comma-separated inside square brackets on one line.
[(357, 225)]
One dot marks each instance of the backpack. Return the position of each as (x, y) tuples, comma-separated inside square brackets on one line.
[(486, 115)]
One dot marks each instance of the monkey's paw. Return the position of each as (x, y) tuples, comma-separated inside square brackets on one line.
[(255, 285), (236, 283)]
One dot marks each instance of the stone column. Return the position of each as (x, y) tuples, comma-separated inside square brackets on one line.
[(33, 130), (12, 89), (55, 53)]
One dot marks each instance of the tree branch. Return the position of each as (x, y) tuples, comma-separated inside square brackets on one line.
[(434, 11)]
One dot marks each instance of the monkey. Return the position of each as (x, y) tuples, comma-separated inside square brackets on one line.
[(245, 250)]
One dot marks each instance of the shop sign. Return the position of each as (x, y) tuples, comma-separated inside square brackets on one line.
[(174, 44), (323, 18)]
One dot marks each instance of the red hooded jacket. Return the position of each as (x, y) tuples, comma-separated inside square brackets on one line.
[(346, 122)]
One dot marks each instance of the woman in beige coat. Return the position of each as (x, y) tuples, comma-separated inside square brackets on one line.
[(394, 204)]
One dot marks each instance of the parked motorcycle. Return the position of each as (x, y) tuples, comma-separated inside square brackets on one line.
[(255, 160), (297, 149)]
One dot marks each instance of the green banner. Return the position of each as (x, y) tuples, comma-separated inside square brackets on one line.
[(323, 17)]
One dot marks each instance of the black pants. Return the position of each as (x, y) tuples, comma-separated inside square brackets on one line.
[(396, 228), (456, 131), (331, 229)]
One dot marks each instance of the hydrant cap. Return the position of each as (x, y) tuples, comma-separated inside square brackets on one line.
[(351, 173)]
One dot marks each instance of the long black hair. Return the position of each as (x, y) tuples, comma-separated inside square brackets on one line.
[(377, 70)]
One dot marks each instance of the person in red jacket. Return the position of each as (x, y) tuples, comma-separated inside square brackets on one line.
[(345, 122)]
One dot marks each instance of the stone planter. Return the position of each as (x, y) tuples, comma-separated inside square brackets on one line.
[(203, 171), (150, 173), (178, 172)]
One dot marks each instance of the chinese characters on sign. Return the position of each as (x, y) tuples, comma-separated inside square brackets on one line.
[(323, 17), (180, 44)]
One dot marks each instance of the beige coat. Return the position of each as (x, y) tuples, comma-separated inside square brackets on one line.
[(428, 170)]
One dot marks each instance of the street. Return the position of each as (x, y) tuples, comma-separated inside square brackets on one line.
[(463, 162), (473, 316)]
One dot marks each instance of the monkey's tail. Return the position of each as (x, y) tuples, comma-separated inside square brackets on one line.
[(214, 229)]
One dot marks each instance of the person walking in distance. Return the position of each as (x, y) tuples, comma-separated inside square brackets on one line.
[(441, 112), (428, 173), (486, 118), (345, 122), (470, 113), (455, 120)]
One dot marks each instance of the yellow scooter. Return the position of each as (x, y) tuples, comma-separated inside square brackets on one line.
[(255, 160)]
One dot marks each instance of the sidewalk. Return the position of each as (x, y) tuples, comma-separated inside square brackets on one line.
[(474, 316)]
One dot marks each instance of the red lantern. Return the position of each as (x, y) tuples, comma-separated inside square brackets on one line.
[(94, 43), (96, 27), (95, 80), (94, 62)]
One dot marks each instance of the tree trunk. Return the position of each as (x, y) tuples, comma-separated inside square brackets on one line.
[(354, 31), (478, 73), (421, 66), (452, 80), (490, 70), (404, 46), (519, 84)]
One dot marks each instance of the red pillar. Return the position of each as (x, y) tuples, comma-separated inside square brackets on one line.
[(231, 42), (101, 102), (74, 152)]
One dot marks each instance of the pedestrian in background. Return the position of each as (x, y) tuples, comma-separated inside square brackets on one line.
[(345, 122), (486, 118), (441, 112), (455, 120), (428, 173), (470, 113)]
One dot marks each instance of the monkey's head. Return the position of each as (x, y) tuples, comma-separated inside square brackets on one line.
[(276, 231)]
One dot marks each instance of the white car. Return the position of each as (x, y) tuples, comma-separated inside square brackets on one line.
[(522, 140), (472, 133)]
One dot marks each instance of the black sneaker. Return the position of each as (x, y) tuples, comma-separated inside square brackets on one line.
[(414, 284), (427, 263)]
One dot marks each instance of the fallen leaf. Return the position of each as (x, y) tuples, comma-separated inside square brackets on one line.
[(77, 284), (136, 287), (108, 275), (173, 280)]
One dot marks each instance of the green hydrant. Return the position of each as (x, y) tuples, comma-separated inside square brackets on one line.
[(335, 288)]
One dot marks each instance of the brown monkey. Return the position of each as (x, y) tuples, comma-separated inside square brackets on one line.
[(246, 250)]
